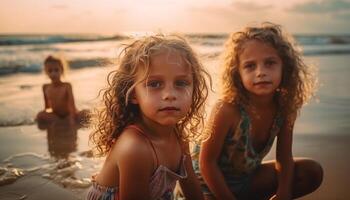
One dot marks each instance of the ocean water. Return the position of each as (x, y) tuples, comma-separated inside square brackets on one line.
[(25, 53), (61, 154), (91, 57)]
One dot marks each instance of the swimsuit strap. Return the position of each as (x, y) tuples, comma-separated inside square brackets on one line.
[(180, 142), (244, 113), (139, 130)]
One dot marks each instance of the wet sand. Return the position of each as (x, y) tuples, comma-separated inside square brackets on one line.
[(330, 150), (35, 187), (53, 165)]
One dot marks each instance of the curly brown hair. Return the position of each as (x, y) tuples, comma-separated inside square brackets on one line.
[(298, 81), (117, 112)]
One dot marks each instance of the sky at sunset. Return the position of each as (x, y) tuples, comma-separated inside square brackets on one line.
[(204, 16)]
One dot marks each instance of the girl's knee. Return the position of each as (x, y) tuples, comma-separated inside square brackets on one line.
[(43, 117), (311, 172), (40, 115), (317, 174)]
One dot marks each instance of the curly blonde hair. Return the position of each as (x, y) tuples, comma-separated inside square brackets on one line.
[(117, 112), (298, 81)]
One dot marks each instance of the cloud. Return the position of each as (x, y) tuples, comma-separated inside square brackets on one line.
[(324, 6), (233, 8), (163, 2), (59, 7), (216, 10), (87, 12), (250, 6), (120, 10)]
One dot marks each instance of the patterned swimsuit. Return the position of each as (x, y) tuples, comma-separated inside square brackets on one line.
[(162, 182), (238, 160)]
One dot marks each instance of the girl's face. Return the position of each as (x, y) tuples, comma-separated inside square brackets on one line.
[(260, 68), (165, 96), (54, 71)]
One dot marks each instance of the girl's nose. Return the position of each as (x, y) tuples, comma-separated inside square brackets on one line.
[(169, 93), (260, 71)]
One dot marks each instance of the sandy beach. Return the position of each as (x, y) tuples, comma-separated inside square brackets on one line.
[(330, 151)]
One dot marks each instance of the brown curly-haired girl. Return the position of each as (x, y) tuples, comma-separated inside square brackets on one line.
[(265, 83)]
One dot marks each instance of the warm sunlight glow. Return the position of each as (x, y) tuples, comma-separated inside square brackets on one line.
[(111, 16)]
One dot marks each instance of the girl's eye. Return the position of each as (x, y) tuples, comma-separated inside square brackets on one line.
[(182, 83), (248, 66), (53, 70), (270, 62), (153, 84)]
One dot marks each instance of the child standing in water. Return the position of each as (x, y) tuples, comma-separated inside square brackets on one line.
[(265, 83), (153, 106), (58, 95)]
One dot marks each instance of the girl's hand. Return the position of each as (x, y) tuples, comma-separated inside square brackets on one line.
[(274, 197), (190, 186)]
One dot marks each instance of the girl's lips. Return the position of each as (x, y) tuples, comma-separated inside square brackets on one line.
[(169, 109), (263, 83)]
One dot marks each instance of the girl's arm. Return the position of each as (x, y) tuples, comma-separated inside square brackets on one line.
[(284, 160), (45, 97), (222, 119), (135, 164), (190, 186), (71, 103)]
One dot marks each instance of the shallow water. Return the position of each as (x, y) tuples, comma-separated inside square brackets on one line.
[(59, 154)]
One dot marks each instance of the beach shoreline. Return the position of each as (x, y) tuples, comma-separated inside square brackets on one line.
[(329, 150)]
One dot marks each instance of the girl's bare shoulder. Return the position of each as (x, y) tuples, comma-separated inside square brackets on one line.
[(131, 144), (46, 85), (131, 155), (226, 110), (67, 85)]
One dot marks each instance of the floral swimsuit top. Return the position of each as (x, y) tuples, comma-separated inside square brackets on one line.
[(162, 182), (238, 156)]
